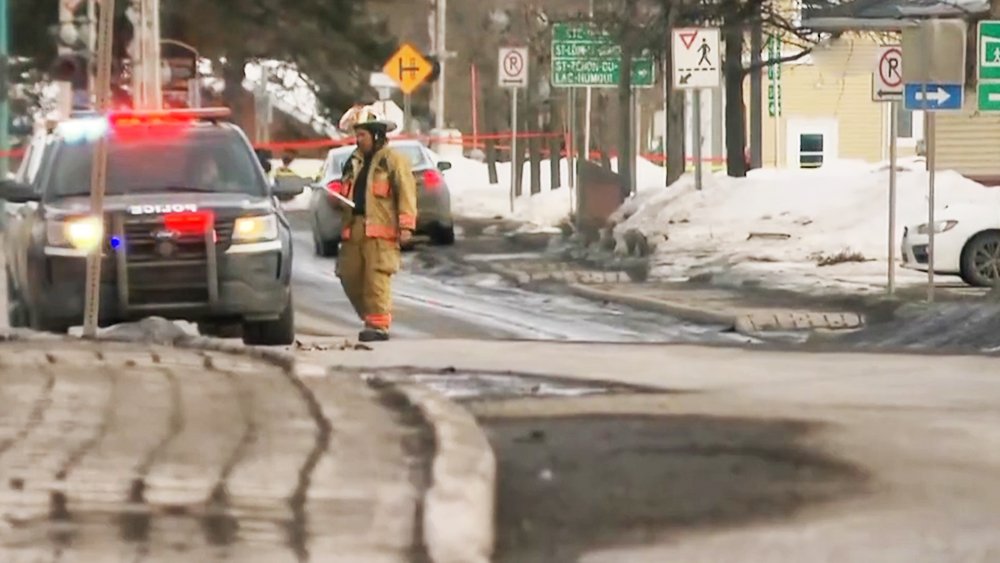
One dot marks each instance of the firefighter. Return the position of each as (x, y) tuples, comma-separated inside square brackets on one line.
[(379, 181), (286, 166)]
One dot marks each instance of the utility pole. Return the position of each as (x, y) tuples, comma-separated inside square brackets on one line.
[(98, 176), (440, 45), (4, 89), (147, 90)]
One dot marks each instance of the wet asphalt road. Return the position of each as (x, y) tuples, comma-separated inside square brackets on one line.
[(463, 304)]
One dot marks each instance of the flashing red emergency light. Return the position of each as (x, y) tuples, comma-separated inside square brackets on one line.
[(166, 117), (190, 222), (433, 180)]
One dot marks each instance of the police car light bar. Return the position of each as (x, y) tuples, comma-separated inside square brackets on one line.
[(159, 117)]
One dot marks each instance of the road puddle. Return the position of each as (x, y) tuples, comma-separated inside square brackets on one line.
[(465, 385)]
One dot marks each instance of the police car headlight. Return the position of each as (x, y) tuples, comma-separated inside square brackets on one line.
[(84, 233), (939, 227), (256, 228)]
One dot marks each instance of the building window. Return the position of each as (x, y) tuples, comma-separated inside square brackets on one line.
[(811, 150), (910, 123)]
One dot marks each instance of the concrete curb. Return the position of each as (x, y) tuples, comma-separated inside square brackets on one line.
[(753, 324), (459, 506), (690, 314)]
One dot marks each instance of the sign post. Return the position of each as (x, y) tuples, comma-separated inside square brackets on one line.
[(98, 174), (696, 66), (513, 74), (774, 91), (887, 87), (934, 80), (410, 69)]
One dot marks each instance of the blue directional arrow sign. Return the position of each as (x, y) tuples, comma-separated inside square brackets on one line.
[(937, 97)]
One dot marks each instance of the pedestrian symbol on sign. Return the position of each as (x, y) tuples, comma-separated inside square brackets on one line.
[(704, 49), (991, 52)]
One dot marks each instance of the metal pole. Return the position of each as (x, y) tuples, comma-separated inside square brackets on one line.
[(931, 165), (587, 106), (696, 135), (666, 112), (893, 155), (99, 171), (156, 72), (634, 153), (571, 148), (474, 77), (407, 114), (514, 172), (91, 45), (4, 89), (441, 13), (928, 39), (777, 136)]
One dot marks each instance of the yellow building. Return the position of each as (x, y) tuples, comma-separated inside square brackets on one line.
[(827, 111)]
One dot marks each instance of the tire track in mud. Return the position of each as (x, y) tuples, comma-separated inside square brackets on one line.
[(298, 529), (40, 404), (219, 525)]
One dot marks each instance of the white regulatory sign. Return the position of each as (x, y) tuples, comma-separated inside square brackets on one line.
[(513, 67), (887, 80), (697, 58)]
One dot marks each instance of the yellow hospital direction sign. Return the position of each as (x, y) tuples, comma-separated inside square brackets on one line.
[(408, 68)]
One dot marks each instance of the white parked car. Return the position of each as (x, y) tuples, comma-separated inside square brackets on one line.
[(966, 244)]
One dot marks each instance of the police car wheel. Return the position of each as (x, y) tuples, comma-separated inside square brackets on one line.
[(279, 332), (327, 248), (443, 235)]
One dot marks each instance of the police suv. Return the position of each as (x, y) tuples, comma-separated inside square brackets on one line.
[(192, 228)]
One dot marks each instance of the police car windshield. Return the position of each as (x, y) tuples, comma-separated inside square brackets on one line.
[(203, 161)]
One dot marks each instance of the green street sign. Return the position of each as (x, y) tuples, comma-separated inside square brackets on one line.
[(988, 61), (584, 55), (989, 96), (774, 100)]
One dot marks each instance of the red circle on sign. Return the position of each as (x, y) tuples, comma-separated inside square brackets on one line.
[(886, 67), (512, 64)]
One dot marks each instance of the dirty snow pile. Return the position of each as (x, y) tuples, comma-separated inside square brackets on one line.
[(823, 227), (474, 196)]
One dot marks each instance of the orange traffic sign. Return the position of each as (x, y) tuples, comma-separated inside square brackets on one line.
[(408, 68)]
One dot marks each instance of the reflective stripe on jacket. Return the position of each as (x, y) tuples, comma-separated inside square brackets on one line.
[(391, 202)]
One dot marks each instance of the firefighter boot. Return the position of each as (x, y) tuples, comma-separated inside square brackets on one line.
[(373, 335)]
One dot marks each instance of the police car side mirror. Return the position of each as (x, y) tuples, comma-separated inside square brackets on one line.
[(13, 191)]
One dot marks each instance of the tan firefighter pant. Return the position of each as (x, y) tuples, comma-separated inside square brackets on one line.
[(365, 267)]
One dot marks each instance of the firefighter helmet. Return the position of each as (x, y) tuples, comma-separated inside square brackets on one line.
[(365, 116)]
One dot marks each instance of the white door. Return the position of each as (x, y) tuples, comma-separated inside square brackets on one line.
[(811, 143)]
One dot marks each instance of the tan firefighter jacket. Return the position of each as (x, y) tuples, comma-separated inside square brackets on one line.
[(391, 202)]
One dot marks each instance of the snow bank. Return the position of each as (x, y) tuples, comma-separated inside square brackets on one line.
[(797, 217), (474, 196)]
